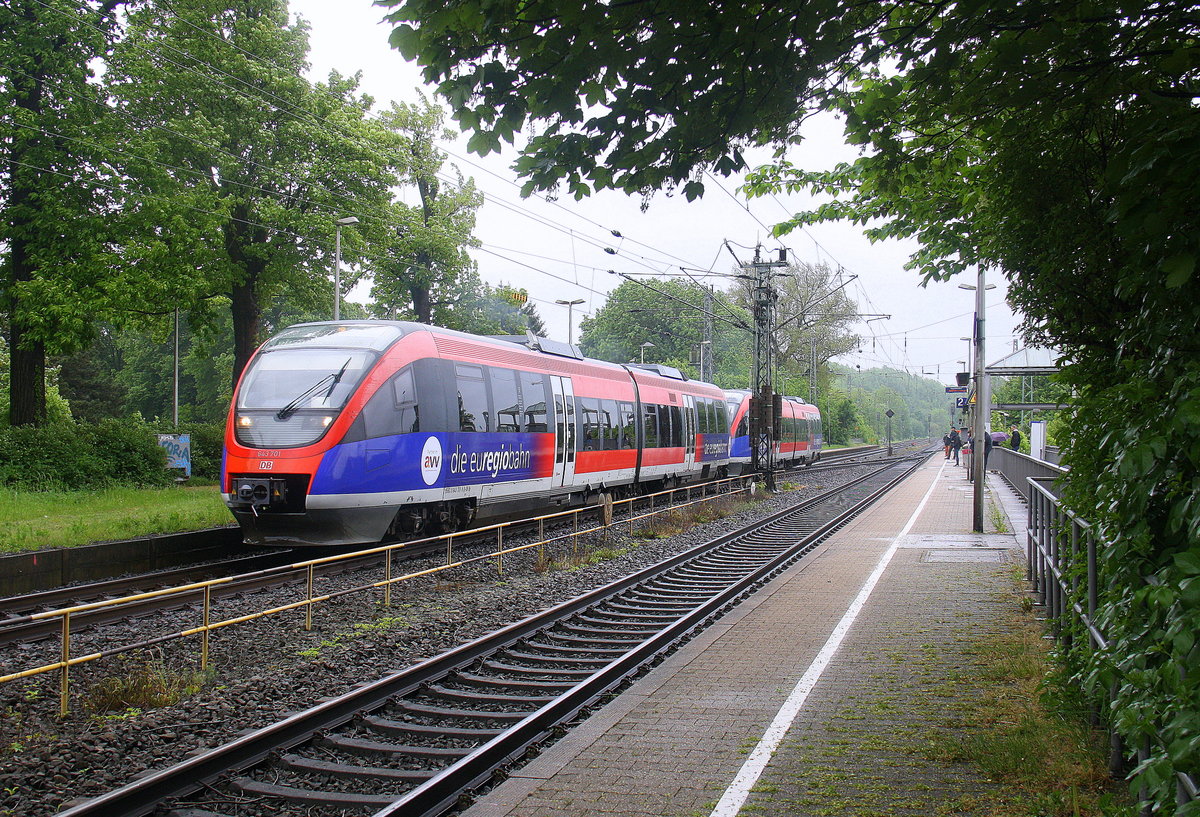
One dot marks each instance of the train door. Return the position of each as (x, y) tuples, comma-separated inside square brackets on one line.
[(689, 431), (564, 430)]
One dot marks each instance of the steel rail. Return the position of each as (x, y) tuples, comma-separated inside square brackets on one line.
[(144, 794)]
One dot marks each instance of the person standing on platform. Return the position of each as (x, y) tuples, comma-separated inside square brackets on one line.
[(946, 443), (988, 443), (1014, 440), (955, 444)]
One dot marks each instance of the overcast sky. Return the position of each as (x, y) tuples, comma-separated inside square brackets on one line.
[(556, 250)]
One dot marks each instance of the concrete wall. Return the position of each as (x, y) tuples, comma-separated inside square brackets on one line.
[(42, 570)]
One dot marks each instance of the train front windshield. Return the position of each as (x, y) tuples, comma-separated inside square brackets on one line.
[(297, 385)]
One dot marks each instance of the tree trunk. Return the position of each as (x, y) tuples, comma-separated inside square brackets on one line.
[(422, 305), (27, 357), (27, 383), (246, 318)]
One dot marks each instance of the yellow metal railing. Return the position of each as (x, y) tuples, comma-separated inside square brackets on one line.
[(708, 491)]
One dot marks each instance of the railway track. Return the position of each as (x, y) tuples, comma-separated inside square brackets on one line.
[(21, 620), (416, 740)]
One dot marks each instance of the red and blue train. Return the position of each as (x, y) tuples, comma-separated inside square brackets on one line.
[(354, 432), (798, 441)]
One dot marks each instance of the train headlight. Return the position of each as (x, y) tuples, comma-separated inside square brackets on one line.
[(244, 421), (325, 421)]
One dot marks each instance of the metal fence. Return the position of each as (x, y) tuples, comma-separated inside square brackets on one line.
[(1061, 565), (595, 519), (1017, 469)]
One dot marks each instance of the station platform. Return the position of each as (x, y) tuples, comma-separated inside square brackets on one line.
[(815, 696)]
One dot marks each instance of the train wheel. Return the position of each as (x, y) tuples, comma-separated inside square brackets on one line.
[(409, 521), (461, 515)]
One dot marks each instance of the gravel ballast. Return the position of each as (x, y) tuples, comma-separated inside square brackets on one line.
[(264, 669)]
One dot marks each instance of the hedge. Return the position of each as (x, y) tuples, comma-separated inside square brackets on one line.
[(81, 456)]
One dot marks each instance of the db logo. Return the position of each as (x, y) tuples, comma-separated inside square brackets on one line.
[(266, 465), (431, 461)]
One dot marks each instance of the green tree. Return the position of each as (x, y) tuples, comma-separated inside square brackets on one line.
[(813, 315), (423, 270), (1055, 142), (671, 315), (54, 178), (245, 166)]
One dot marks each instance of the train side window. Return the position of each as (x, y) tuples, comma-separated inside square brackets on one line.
[(391, 410), (473, 411), (676, 437), (664, 426), (650, 425), (743, 426), (507, 400), (533, 399), (610, 425), (628, 420), (588, 416), (404, 392), (708, 415), (721, 415), (560, 425)]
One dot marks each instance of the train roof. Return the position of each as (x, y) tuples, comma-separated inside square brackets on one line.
[(528, 342)]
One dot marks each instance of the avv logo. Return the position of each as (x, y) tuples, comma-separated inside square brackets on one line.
[(431, 460)]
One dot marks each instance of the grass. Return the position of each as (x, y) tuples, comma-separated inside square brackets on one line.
[(983, 723), (35, 520), (145, 683), (1031, 734)]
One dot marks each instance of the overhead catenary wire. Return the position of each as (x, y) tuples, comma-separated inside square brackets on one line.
[(286, 109)]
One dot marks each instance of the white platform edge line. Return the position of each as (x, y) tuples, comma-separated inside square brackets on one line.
[(735, 796)]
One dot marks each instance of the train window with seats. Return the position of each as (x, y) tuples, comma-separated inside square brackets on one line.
[(588, 416), (507, 399), (628, 425), (720, 417), (650, 424), (676, 427), (664, 426), (610, 423), (533, 401), (473, 411)]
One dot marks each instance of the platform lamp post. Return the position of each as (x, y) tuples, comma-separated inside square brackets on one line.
[(337, 265), (982, 400), (570, 305), (646, 345)]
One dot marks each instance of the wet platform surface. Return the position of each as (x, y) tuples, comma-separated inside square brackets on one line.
[(817, 695)]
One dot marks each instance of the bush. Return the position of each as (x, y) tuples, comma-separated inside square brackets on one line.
[(74, 456)]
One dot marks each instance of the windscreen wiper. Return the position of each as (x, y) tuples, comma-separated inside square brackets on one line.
[(333, 379)]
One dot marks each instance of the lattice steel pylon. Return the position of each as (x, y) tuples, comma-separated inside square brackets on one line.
[(762, 420)]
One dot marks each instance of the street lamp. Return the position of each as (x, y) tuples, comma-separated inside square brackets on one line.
[(570, 305), (983, 399), (644, 346), (337, 265)]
